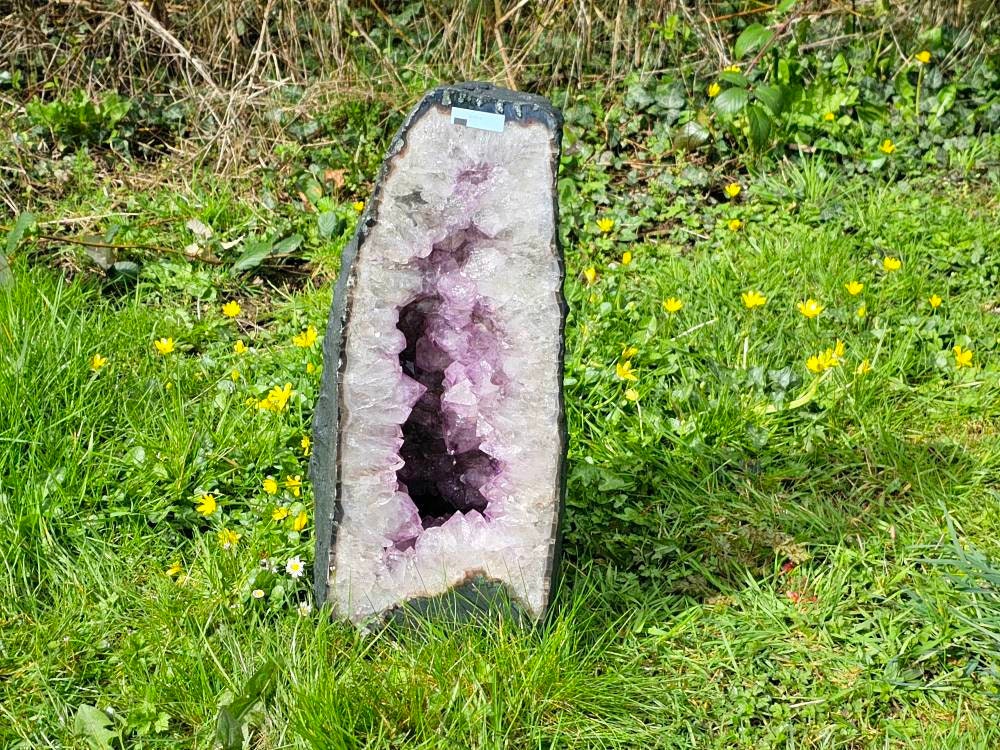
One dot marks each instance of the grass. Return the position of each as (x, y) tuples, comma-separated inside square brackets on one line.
[(759, 556)]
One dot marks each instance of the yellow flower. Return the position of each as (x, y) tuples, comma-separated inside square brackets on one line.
[(231, 309), (306, 339), (590, 275), (240, 348), (97, 362), (864, 368), (887, 146), (234, 374), (626, 258), (624, 371), (605, 225), (863, 311), (628, 352), (753, 299), (207, 505), (829, 117), (923, 57), (734, 225), (300, 521), (358, 206), (815, 364), (734, 68), (228, 538), (277, 399), (838, 350), (672, 305), (935, 301), (631, 394), (810, 308), (164, 346), (271, 486), (279, 514), (854, 288), (714, 89), (174, 569), (306, 445), (891, 264), (963, 357), (310, 368), (732, 190), (827, 359), (294, 484)]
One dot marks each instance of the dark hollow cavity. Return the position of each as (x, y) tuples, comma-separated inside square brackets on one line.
[(444, 468)]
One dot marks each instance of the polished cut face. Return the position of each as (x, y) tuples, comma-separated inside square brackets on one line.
[(449, 446)]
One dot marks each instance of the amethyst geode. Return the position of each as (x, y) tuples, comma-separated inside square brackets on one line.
[(440, 440)]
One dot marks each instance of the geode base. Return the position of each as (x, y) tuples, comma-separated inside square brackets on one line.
[(439, 449)]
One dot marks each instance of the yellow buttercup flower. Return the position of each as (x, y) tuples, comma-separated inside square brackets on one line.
[(732, 190), (300, 521), (891, 264), (207, 505), (628, 352), (923, 56), (810, 308), (862, 311), (279, 514), (963, 357), (164, 346), (306, 339), (306, 445), (234, 374), (827, 359), (753, 299), (358, 206), (626, 258), (605, 225), (887, 146), (231, 309), (294, 484), (624, 371), (734, 68), (829, 117), (631, 394), (814, 364), (310, 368), (590, 275), (277, 399), (714, 90), (228, 538), (271, 486), (854, 288), (935, 301), (672, 305), (734, 225), (864, 368), (97, 362), (240, 348), (174, 569)]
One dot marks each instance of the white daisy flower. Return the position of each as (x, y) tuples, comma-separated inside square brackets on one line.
[(257, 593), (295, 567), (305, 609)]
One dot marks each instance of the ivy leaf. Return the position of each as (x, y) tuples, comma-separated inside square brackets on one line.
[(731, 101), (753, 37)]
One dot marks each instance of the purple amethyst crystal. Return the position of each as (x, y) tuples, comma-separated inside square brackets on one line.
[(440, 438)]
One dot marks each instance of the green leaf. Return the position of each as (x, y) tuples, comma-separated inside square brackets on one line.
[(760, 126), (231, 729), (946, 98), (329, 224), (24, 221), (93, 725), (731, 101), (734, 79), (254, 253), (772, 97), (288, 245), (691, 135), (753, 37)]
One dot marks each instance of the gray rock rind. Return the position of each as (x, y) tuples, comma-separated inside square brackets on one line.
[(325, 463)]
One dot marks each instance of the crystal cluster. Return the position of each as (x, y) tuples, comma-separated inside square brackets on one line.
[(449, 449)]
